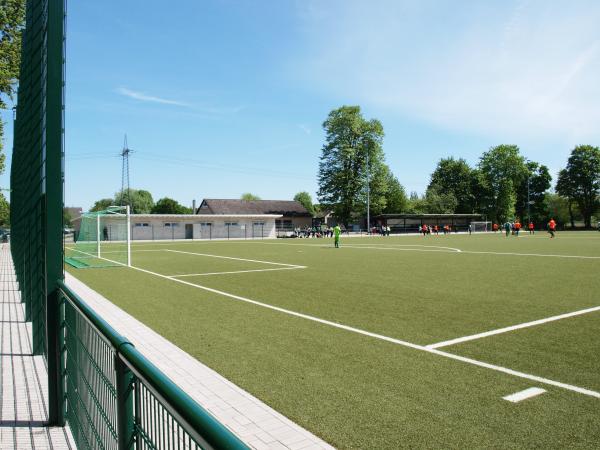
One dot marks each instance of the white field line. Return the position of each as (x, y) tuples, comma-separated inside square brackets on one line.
[(512, 328), (374, 247), (457, 251), (523, 395), (236, 259), (236, 271), (471, 361)]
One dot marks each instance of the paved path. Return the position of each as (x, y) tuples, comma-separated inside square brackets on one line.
[(255, 423), (23, 377)]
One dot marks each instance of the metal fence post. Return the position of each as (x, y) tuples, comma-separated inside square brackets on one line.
[(125, 415), (54, 204)]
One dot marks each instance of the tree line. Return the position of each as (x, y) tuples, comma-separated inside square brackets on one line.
[(502, 186), (141, 202)]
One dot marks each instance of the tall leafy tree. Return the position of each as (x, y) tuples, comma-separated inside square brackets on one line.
[(581, 180), (396, 201), (4, 211), (12, 22), (503, 170), (305, 200), (102, 204), (538, 181), (141, 200), (350, 142), (454, 176), (565, 189), (249, 197), (167, 205)]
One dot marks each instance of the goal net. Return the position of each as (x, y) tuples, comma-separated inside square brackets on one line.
[(481, 227), (103, 239)]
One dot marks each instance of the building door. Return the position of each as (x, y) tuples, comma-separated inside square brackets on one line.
[(189, 231), (206, 230)]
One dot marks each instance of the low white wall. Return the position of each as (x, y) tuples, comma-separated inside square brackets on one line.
[(199, 229)]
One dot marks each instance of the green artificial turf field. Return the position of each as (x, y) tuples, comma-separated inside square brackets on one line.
[(372, 361)]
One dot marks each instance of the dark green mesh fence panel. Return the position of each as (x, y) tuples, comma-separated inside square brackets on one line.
[(36, 171)]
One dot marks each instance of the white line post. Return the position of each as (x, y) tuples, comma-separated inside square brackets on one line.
[(128, 236)]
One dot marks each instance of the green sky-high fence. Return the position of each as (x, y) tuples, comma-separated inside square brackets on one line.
[(98, 383)]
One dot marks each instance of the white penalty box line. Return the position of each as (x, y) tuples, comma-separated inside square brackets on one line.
[(512, 328), (280, 266)]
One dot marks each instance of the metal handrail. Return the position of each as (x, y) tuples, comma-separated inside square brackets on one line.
[(199, 423)]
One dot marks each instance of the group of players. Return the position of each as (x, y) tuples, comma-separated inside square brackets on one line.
[(434, 229), (513, 228)]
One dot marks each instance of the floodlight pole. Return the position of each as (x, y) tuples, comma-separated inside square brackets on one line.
[(528, 200), (368, 196)]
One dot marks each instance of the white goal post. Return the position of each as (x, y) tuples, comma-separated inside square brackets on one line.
[(481, 227)]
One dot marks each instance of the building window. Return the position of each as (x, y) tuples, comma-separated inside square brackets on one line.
[(171, 224), (142, 224), (231, 224), (206, 224), (259, 224)]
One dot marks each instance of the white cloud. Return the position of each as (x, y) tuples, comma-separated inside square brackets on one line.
[(304, 128), (511, 69), (149, 98)]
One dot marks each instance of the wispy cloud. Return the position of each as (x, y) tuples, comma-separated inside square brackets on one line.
[(519, 69), (149, 98), (304, 128)]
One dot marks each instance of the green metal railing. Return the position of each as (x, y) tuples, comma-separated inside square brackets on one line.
[(117, 399)]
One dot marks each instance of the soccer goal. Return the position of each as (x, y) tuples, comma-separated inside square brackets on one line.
[(103, 239), (481, 227)]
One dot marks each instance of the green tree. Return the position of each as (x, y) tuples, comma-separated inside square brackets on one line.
[(141, 200), (249, 197), (351, 142), (4, 211), (539, 180), (169, 206), (102, 204), (580, 180), (12, 22), (565, 189), (67, 218), (439, 202), (560, 209), (396, 200), (503, 170), (454, 176), (305, 200)]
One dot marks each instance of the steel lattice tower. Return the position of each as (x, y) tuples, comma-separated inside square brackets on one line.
[(125, 188)]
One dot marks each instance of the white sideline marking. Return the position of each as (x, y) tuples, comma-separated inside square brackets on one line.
[(236, 271), (474, 362), (456, 250), (369, 246), (235, 259), (531, 254), (523, 395), (512, 328)]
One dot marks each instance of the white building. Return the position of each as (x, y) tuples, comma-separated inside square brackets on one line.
[(146, 227)]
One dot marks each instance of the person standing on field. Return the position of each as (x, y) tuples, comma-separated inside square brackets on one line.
[(531, 228), (507, 228), (337, 231), (551, 228)]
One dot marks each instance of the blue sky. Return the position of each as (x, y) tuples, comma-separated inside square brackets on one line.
[(221, 97)]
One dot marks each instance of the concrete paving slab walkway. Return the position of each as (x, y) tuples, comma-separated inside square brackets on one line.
[(23, 376)]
